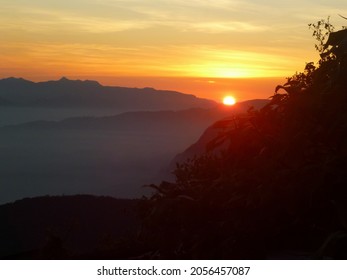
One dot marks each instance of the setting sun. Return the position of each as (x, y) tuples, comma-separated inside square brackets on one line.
[(229, 100)]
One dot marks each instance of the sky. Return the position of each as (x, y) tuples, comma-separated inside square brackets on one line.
[(204, 47)]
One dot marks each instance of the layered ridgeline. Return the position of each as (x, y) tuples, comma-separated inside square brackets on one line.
[(22, 100), (70, 137), (111, 155), (100, 155)]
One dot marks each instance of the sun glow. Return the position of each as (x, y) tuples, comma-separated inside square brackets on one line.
[(229, 100)]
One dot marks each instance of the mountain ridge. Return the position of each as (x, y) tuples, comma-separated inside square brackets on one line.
[(88, 93)]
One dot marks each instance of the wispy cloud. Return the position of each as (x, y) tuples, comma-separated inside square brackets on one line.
[(39, 20), (228, 26), (113, 16), (162, 37)]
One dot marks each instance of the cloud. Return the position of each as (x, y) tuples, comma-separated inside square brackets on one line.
[(115, 16), (38, 20), (231, 26), (162, 37)]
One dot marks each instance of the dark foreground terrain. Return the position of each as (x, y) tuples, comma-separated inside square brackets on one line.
[(68, 227)]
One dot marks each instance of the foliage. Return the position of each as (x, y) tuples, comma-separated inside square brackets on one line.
[(278, 189), (321, 31)]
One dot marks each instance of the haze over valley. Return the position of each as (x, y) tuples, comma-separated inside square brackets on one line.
[(84, 145)]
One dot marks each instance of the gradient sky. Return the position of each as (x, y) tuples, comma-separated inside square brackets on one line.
[(129, 42)]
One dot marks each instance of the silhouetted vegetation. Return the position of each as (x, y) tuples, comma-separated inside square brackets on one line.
[(279, 188)]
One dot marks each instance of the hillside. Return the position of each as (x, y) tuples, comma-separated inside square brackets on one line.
[(278, 189), (66, 227)]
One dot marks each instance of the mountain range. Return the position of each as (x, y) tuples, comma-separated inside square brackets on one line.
[(66, 93), (79, 137)]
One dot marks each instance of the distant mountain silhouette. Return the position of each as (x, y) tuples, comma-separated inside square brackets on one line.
[(66, 93)]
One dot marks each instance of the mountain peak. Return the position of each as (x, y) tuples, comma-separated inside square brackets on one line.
[(85, 82), (63, 79)]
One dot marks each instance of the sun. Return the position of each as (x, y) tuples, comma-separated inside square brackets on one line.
[(229, 100)]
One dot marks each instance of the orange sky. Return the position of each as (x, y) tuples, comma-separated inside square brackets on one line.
[(198, 46)]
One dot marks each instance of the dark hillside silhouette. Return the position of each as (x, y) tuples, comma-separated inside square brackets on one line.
[(66, 227), (278, 189)]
